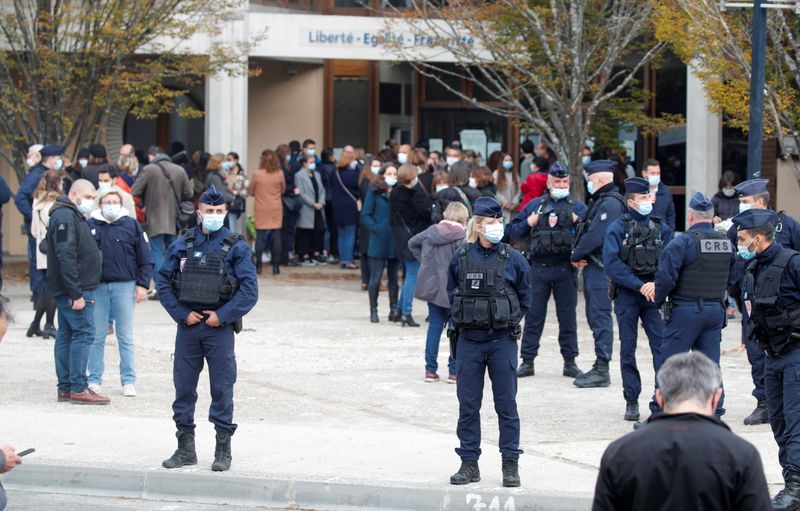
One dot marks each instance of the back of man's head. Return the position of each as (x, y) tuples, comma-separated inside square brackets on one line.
[(689, 382)]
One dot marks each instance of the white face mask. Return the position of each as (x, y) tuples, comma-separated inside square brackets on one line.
[(111, 211), (728, 192), (390, 180), (744, 207), (104, 185), (86, 206), (375, 169), (473, 183), (654, 180), (494, 232), (559, 193), (402, 158), (83, 162), (452, 160), (439, 188), (30, 163)]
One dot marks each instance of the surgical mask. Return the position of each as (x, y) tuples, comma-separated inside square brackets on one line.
[(586, 160), (30, 163), (744, 252), (439, 188), (86, 206), (111, 211), (376, 169), (226, 166), (744, 207), (494, 233), (391, 180), (402, 158), (590, 187), (559, 193), (644, 208), (654, 180), (288, 158), (83, 162), (473, 182), (728, 192), (213, 222), (452, 160), (311, 151), (58, 164), (104, 185), (508, 165), (312, 166), (354, 164)]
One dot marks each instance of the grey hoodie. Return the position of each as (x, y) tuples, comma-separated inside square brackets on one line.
[(434, 248)]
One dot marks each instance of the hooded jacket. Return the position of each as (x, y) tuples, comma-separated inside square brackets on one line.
[(73, 256), (434, 248)]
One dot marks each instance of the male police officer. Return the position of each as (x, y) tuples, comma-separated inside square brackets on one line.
[(694, 271), (630, 254), (605, 206), (207, 284), (771, 295), (547, 224), (753, 194)]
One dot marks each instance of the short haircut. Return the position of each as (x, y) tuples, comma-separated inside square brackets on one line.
[(441, 176), (81, 186), (406, 174), (307, 142), (111, 170), (456, 212), (527, 146), (688, 376), (708, 215), (651, 163), (111, 191), (154, 150), (768, 231), (294, 146), (763, 197)]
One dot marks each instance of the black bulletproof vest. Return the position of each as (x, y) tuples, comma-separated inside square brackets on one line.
[(594, 208), (483, 299), (776, 326), (552, 234), (642, 245), (203, 281), (707, 276)]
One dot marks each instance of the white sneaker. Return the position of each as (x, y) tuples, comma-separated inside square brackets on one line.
[(94, 387), (129, 390)]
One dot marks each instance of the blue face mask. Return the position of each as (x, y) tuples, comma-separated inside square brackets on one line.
[(494, 233), (212, 222), (58, 164), (644, 208), (744, 207), (312, 166), (311, 151), (508, 165), (586, 160), (744, 252), (226, 166), (559, 193), (590, 187)]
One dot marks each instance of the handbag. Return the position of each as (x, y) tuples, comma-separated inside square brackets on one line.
[(292, 204), (185, 210), (357, 201)]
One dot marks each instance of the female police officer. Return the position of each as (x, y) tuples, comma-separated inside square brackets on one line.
[(489, 290)]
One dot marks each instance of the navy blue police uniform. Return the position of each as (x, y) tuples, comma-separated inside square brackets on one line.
[(694, 271), (191, 274), (490, 293), (605, 206), (788, 235), (771, 294), (630, 255), (549, 246)]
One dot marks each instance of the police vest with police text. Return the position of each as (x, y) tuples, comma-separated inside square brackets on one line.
[(775, 326), (202, 281), (553, 232), (642, 245), (706, 278), (484, 299)]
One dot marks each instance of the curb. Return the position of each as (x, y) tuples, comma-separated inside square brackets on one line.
[(157, 484)]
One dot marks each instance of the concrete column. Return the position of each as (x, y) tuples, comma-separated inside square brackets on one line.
[(226, 98), (703, 141)]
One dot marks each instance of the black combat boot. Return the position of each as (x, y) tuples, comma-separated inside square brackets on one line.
[(788, 499), (222, 454), (185, 454), (526, 368), (597, 377), (468, 473), (571, 368), (759, 416), (510, 473), (632, 411), (373, 304)]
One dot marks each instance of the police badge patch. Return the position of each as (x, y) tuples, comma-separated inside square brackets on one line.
[(553, 220), (475, 280), (603, 217)]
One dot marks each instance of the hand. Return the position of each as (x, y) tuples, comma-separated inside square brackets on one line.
[(574, 218), (213, 320), (532, 219), (12, 460), (717, 220), (580, 264), (140, 294), (193, 318), (79, 304), (297, 191), (649, 291), (317, 206), (737, 349)]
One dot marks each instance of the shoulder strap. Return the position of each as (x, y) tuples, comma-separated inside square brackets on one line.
[(779, 221), (229, 241), (464, 199), (619, 197), (339, 177), (189, 234), (169, 180)]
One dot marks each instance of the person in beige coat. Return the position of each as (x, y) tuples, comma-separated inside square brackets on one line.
[(267, 187), (49, 188)]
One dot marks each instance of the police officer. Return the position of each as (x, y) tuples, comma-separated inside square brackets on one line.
[(771, 295), (547, 226), (207, 284), (633, 245), (694, 271), (605, 206), (753, 194), (489, 289)]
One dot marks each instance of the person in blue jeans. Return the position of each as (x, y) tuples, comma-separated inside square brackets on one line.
[(127, 270), (411, 214), (73, 258), (434, 248), (346, 197)]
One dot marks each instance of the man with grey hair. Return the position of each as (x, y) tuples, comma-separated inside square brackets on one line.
[(685, 458), (694, 271)]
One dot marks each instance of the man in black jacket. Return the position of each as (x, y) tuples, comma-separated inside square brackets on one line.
[(685, 458), (73, 262)]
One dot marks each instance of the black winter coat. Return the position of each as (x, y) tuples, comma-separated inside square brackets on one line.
[(74, 261), (410, 214)]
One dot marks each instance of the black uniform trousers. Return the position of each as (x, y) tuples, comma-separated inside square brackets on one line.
[(556, 279), (782, 387)]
